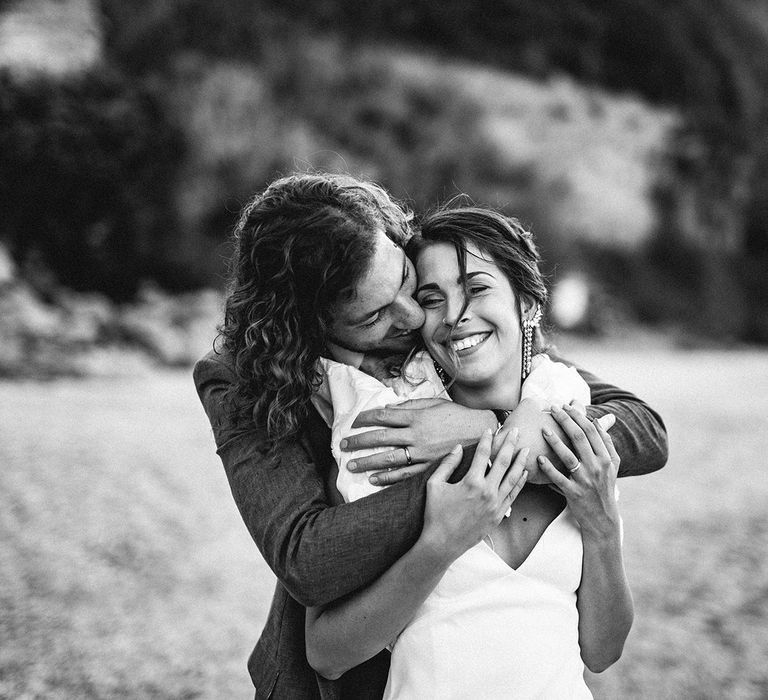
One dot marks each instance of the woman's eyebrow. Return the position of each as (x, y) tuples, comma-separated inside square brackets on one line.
[(434, 285)]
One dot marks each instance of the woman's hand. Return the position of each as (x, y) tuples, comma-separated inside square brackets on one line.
[(422, 431), (592, 464), (458, 516)]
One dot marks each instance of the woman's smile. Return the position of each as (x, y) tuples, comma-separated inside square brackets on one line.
[(468, 344)]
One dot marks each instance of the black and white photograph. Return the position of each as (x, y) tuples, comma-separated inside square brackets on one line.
[(400, 350)]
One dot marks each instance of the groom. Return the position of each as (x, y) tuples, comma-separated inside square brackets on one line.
[(319, 270)]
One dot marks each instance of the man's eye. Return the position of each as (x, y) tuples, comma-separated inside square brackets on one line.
[(372, 322)]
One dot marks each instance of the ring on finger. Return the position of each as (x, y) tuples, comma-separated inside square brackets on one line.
[(408, 459), (576, 468)]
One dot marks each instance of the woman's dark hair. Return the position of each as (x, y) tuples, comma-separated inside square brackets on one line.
[(501, 237), (300, 247)]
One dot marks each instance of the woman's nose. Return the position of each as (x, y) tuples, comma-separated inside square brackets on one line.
[(455, 312)]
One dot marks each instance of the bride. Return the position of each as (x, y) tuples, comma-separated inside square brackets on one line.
[(517, 580)]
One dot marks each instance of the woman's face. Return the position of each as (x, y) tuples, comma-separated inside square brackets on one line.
[(487, 337)]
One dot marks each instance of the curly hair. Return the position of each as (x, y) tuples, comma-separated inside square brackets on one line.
[(501, 237), (301, 246)]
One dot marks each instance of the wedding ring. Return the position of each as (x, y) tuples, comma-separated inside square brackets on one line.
[(576, 468), (408, 459)]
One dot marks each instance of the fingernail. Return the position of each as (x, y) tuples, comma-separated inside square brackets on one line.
[(525, 451), (456, 450), (547, 432), (540, 459), (343, 444), (351, 466), (514, 434), (567, 407), (554, 408), (524, 475), (374, 479)]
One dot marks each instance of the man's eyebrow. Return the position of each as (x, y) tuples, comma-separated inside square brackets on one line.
[(434, 285), (381, 308)]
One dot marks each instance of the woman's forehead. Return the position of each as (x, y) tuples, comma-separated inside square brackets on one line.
[(442, 255)]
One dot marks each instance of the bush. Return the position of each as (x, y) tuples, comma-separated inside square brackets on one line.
[(87, 168)]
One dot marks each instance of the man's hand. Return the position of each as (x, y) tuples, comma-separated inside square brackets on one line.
[(428, 428)]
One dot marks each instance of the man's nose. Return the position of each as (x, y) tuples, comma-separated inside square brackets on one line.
[(410, 315)]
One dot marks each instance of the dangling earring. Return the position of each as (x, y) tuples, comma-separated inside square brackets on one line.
[(528, 325), (441, 373)]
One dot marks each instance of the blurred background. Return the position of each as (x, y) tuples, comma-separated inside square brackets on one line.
[(631, 137)]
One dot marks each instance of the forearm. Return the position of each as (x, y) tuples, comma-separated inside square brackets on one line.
[(354, 630), (318, 552), (639, 434), (321, 553), (604, 602)]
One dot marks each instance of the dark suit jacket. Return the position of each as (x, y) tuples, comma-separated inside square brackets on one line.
[(321, 553)]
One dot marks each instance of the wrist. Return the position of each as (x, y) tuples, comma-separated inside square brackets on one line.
[(436, 550), (602, 536)]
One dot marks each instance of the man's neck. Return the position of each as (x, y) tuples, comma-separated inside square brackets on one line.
[(345, 355)]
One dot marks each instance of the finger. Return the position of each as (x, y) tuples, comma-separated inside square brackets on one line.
[(578, 407), (501, 436), (502, 460), (417, 404), (579, 441), (384, 437), (608, 441), (482, 455), (558, 480), (517, 487), (607, 421), (598, 446), (387, 459), (515, 471), (388, 416), (392, 476), (563, 452), (448, 465)]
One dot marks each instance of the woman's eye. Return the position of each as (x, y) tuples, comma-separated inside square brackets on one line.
[(430, 302), (477, 289)]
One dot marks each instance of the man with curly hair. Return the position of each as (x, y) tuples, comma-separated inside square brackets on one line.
[(319, 271)]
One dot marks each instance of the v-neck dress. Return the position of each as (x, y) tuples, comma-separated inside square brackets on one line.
[(490, 631), (487, 631)]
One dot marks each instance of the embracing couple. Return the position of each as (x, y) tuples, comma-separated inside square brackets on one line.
[(434, 489)]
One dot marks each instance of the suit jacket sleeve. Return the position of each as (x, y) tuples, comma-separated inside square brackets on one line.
[(639, 435), (318, 552), (321, 553)]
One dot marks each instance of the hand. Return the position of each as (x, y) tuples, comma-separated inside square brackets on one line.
[(531, 417), (429, 428), (458, 516), (592, 465)]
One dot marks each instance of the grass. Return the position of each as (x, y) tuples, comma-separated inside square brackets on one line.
[(125, 570)]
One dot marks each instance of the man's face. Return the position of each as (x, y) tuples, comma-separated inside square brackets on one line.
[(382, 318)]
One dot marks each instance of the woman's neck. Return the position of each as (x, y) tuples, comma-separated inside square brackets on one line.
[(500, 394)]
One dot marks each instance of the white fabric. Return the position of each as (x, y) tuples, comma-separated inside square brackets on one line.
[(346, 391), (487, 630)]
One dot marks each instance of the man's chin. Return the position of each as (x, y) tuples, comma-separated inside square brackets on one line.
[(396, 345)]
